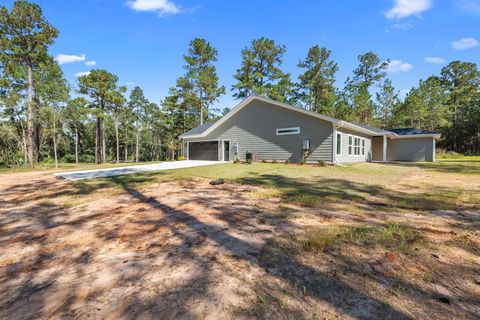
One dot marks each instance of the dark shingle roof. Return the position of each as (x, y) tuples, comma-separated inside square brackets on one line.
[(410, 131), (200, 129)]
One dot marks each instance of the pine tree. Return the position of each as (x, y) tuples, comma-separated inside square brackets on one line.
[(25, 36), (260, 72), (317, 90), (202, 76)]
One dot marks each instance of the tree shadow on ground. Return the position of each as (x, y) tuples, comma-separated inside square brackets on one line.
[(248, 252), (326, 193), (131, 272)]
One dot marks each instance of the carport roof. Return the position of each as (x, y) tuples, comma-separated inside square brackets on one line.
[(411, 131)]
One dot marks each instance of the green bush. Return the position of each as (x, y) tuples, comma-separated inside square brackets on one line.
[(274, 161), (321, 163), (87, 158), (264, 161), (68, 158), (287, 161), (236, 160), (249, 161), (181, 158)]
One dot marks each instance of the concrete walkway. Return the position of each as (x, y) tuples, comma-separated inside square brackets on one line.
[(118, 171)]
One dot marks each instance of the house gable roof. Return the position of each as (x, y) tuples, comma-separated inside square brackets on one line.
[(199, 130), (205, 129)]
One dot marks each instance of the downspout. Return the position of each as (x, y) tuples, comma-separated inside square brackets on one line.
[(334, 145)]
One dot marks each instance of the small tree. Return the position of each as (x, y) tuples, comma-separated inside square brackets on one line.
[(75, 115)]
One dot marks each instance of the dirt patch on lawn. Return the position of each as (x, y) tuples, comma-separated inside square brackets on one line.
[(195, 251)]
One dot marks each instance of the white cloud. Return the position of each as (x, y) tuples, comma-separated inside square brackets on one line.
[(69, 58), (407, 8), (90, 63), (397, 66), (465, 43), (435, 60), (162, 7), (81, 74)]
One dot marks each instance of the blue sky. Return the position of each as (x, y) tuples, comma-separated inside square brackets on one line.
[(142, 41)]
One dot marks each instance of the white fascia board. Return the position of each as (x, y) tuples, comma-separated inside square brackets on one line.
[(427, 135), (351, 126)]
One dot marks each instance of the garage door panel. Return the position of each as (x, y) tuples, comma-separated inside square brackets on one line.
[(205, 150)]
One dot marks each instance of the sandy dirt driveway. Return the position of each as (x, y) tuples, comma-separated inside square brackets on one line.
[(175, 250), (121, 249)]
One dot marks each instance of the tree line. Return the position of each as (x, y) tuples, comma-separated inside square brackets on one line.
[(42, 118)]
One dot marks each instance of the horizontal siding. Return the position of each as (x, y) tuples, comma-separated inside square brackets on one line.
[(410, 149), (344, 157), (254, 129)]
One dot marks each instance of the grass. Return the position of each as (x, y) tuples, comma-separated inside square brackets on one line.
[(356, 187), (391, 235), (352, 187)]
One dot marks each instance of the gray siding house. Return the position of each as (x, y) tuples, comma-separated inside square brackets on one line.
[(276, 131)]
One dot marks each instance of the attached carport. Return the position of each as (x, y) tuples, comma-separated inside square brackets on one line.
[(203, 150)]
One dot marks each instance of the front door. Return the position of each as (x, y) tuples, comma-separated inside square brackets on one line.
[(226, 150)]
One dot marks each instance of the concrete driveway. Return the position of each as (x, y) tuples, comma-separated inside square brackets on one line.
[(118, 171)]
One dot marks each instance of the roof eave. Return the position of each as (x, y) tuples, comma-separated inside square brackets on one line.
[(423, 135), (351, 126)]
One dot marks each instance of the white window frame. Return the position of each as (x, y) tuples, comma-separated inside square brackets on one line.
[(339, 141), (350, 145), (290, 131), (357, 143)]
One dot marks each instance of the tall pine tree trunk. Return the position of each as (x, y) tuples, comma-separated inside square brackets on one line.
[(76, 144), (117, 137), (30, 119), (98, 142), (104, 145), (137, 145), (55, 149), (55, 139), (24, 147), (126, 145)]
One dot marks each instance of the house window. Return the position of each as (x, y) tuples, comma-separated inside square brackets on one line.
[(357, 146), (363, 146), (286, 131), (339, 143), (350, 145)]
